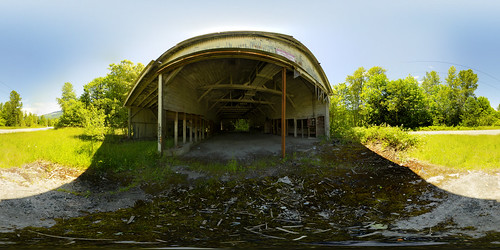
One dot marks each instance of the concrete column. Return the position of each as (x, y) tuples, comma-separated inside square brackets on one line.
[(295, 127), (203, 129), (184, 129), (302, 127), (327, 119), (176, 129), (160, 114), (196, 129), (191, 130), (283, 112)]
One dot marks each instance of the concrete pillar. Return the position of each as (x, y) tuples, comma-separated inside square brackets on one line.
[(295, 127), (195, 128), (160, 114), (302, 127), (191, 130), (184, 129), (283, 112), (203, 129), (327, 119), (176, 129)]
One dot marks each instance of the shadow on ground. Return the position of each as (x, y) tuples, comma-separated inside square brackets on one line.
[(322, 194)]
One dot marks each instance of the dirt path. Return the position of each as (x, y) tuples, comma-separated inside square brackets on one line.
[(37, 193), (333, 193), (7, 131), (459, 132)]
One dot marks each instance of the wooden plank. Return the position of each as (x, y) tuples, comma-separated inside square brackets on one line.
[(243, 87), (243, 101)]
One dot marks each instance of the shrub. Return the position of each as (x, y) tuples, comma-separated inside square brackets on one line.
[(394, 137)]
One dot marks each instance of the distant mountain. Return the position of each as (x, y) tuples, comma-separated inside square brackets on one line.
[(53, 115)]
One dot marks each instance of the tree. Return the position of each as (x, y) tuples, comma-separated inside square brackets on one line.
[(12, 110), (73, 111), (431, 82), (478, 112), (431, 85), (406, 104), (374, 96), (2, 120), (109, 93), (355, 88)]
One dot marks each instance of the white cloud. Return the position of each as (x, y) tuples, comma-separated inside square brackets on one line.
[(41, 108)]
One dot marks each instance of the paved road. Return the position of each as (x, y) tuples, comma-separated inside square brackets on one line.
[(5, 131), (460, 132)]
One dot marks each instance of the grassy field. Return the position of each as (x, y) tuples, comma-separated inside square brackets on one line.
[(68, 147), (446, 128), (465, 152)]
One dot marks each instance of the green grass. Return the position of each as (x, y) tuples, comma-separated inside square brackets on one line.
[(393, 137), (68, 147), (61, 146), (446, 128), (464, 152)]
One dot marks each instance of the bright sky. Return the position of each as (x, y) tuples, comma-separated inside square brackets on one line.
[(44, 44)]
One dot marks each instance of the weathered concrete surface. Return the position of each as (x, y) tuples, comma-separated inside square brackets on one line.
[(240, 146)]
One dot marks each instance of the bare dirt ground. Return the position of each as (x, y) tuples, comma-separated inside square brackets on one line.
[(37, 193), (471, 204), (361, 196)]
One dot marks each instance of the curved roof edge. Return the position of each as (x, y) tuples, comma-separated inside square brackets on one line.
[(275, 47)]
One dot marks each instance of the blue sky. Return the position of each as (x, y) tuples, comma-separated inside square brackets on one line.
[(44, 44)]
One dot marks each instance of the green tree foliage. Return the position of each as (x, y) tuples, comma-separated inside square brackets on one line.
[(374, 96), (2, 119), (478, 112), (73, 109), (101, 104), (94, 123), (11, 110), (355, 83), (109, 93), (370, 98), (406, 104), (340, 117)]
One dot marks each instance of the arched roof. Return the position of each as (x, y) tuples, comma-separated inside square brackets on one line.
[(278, 49)]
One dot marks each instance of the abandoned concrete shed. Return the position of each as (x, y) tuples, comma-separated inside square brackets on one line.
[(202, 84)]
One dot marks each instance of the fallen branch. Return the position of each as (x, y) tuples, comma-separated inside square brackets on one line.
[(287, 231), (265, 235), (69, 238)]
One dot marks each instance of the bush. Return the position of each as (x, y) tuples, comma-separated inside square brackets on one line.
[(394, 137)]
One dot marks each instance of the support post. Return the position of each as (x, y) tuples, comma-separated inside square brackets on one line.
[(129, 132), (203, 129), (191, 129), (302, 127), (283, 111), (295, 127), (176, 129), (160, 114), (184, 129), (196, 129)]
